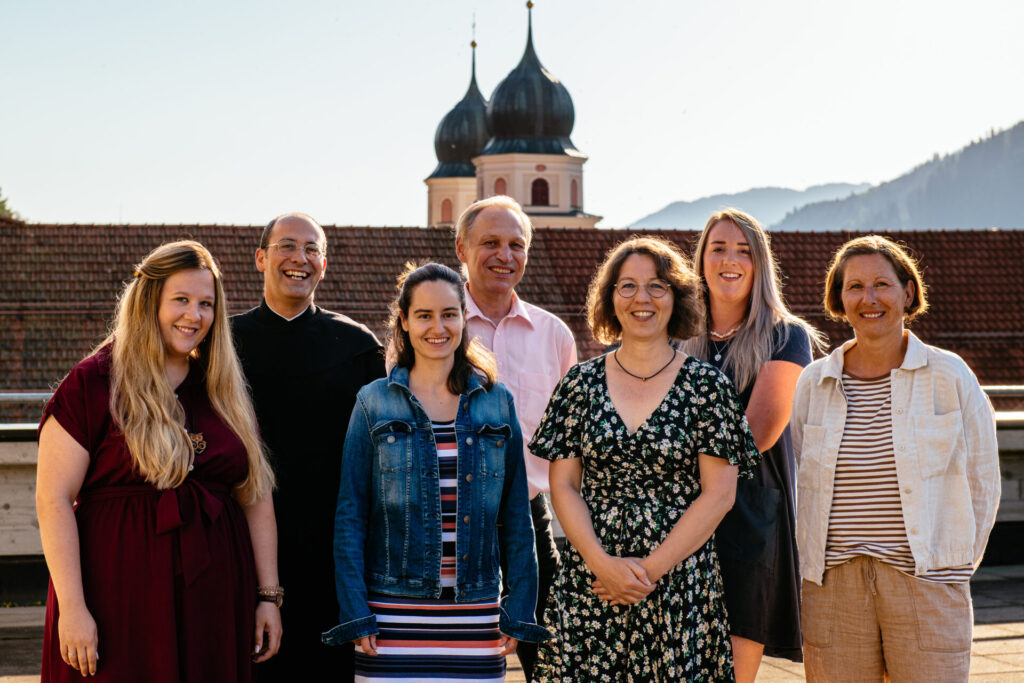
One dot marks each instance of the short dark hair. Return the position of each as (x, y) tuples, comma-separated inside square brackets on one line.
[(671, 265), (470, 355), (905, 265), (265, 235)]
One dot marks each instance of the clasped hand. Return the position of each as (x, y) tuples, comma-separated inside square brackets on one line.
[(621, 580)]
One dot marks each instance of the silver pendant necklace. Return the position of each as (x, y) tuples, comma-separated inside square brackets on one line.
[(717, 350)]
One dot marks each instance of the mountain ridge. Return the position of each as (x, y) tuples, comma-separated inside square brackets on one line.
[(980, 185)]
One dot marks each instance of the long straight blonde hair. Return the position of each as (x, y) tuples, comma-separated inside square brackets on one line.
[(752, 346), (142, 402)]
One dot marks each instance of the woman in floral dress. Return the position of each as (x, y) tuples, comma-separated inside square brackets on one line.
[(646, 445)]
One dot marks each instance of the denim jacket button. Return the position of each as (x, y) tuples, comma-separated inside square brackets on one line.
[(466, 519), (469, 477), (391, 439), (465, 558), (501, 442), (469, 441)]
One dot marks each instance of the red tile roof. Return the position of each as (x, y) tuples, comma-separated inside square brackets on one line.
[(60, 281)]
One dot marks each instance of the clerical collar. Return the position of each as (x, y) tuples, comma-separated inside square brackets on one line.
[(294, 317)]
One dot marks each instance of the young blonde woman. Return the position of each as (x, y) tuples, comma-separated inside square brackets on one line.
[(750, 335), (153, 494)]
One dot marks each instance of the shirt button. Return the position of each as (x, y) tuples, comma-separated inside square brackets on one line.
[(501, 442), (469, 441), (907, 490), (901, 448), (466, 519), (899, 411), (391, 439), (469, 477), (914, 530)]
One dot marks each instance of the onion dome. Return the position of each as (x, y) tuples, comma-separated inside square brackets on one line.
[(530, 111), (462, 133)]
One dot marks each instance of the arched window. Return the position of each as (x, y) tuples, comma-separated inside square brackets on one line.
[(574, 194), (500, 187), (539, 192), (446, 211)]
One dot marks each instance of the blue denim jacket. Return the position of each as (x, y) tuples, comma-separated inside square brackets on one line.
[(387, 530)]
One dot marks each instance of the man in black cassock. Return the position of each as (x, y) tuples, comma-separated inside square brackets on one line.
[(304, 366)]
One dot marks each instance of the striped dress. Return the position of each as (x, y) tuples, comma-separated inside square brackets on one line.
[(867, 514), (436, 639)]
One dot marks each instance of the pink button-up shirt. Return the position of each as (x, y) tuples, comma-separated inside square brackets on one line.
[(534, 350)]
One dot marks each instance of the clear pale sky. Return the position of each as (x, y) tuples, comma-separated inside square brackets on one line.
[(231, 111)]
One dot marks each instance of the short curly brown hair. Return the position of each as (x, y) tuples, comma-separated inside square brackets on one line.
[(671, 265), (903, 263)]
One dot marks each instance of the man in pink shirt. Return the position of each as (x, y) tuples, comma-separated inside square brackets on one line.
[(534, 349)]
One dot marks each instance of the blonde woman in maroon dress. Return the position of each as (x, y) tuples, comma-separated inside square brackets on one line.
[(153, 494)]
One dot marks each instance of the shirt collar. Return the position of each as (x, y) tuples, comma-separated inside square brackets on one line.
[(518, 309), (915, 357)]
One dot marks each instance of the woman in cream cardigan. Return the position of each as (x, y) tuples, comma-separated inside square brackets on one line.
[(897, 484)]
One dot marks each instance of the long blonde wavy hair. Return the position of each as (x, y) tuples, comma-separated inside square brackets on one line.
[(752, 346), (142, 401)]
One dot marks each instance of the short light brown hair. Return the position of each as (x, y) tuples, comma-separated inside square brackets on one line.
[(501, 201), (903, 263), (671, 265)]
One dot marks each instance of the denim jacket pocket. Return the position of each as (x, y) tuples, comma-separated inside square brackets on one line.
[(940, 443), (493, 441), (393, 444)]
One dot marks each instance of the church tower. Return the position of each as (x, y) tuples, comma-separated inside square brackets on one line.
[(529, 155), (460, 136)]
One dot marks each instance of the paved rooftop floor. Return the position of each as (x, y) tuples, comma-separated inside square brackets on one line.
[(997, 653)]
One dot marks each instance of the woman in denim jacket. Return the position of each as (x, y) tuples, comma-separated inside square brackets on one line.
[(433, 491), (898, 484)]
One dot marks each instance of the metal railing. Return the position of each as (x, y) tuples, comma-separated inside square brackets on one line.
[(993, 391)]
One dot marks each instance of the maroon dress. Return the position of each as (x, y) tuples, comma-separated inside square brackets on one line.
[(168, 576)]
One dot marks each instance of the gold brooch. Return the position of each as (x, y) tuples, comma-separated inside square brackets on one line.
[(198, 442)]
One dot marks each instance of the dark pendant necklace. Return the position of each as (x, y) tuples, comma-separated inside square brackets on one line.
[(615, 355)]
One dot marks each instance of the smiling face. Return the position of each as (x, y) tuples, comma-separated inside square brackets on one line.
[(494, 252), (186, 310), (641, 316), (289, 279), (727, 265), (874, 299), (435, 320)]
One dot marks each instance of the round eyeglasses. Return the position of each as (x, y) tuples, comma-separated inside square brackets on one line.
[(656, 289)]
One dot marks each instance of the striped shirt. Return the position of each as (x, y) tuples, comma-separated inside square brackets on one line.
[(867, 515), (436, 640), (448, 470)]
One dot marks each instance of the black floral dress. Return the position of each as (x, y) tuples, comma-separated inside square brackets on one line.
[(637, 486)]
